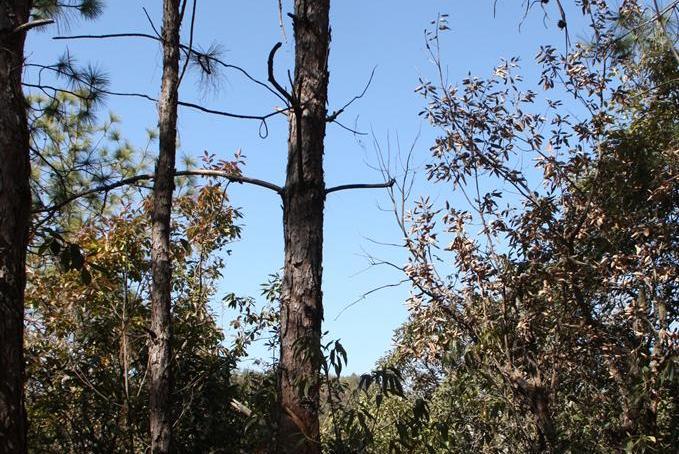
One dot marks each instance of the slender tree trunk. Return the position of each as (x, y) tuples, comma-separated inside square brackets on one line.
[(15, 206), (160, 354), (303, 203), (124, 358)]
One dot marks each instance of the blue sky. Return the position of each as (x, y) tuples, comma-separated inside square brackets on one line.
[(386, 34)]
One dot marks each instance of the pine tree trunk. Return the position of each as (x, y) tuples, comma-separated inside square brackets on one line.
[(160, 354), (303, 203), (15, 207)]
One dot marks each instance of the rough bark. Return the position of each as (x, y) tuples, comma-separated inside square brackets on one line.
[(15, 207), (303, 203), (548, 440), (536, 394), (160, 354)]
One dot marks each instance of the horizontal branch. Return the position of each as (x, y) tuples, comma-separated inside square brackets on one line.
[(231, 115), (190, 105), (109, 35), (189, 51), (345, 187), (146, 177), (231, 177)]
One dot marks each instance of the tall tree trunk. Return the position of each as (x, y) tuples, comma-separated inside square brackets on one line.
[(15, 207), (303, 203), (160, 354)]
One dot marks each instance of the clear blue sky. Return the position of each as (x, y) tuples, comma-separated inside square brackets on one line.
[(387, 34)]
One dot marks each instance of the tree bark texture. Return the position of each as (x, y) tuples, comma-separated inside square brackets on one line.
[(303, 203), (548, 439), (15, 207), (160, 352)]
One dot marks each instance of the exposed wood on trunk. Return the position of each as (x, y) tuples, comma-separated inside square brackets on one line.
[(15, 208), (160, 354), (303, 203)]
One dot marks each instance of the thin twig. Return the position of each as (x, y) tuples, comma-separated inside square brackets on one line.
[(368, 293), (280, 20), (190, 50), (347, 128), (153, 26), (332, 117)]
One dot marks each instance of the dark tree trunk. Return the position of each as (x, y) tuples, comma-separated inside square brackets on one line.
[(15, 207), (548, 440), (303, 202), (160, 354)]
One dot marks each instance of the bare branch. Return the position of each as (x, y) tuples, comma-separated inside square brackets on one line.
[(272, 77), (146, 177), (187, 49), (347, 128), (153, 26), (345, 187), (190, 50), (108, 35), (33, 24), (370, 292), (280, 20), (240, 408), (191, 105), (231, 177), (332, 117)]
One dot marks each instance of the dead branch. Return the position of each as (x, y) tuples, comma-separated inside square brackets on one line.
[(240, 408), (146, 177), (345, 187), (33, 24), (272, 77), (333, 116), (188, 50), (191, 105)]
